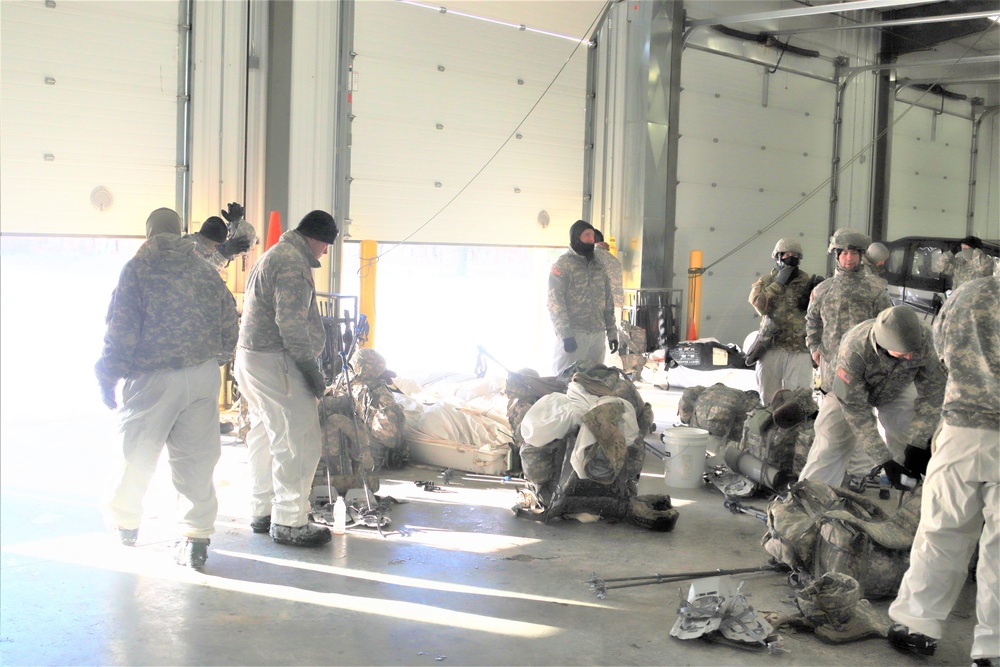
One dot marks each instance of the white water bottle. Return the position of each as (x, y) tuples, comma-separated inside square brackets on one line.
[(339, 516)]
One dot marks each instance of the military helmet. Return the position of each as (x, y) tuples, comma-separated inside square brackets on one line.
[(877, 252), (367, 364), (898, 329), (787, 245), (849, 239)]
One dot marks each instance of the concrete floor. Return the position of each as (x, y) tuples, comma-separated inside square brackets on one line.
[(459, 580)]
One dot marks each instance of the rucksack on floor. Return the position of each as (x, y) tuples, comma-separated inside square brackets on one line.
[(818, 529)]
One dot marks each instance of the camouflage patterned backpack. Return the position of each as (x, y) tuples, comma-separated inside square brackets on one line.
[(819, 529), (718, 409), (773, 434)]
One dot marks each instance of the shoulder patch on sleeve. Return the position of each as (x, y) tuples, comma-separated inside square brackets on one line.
[(555, 270), (845, 376)]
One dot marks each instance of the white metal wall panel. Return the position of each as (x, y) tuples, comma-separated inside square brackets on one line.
[(986, 218), (93, 85), (741, 166), (417, 69), (929, 183), (218, 84), (313, 125)]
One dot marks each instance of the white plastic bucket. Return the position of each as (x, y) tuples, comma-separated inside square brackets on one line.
[(684, 456)]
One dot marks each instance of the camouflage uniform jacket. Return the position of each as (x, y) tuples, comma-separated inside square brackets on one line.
[(279, 307), (613, 267), (967, 338), (875, 271), (170, 310), (782, 304), (867, 376), (836, 305), (580, 297), (967, 265), (204, 249)]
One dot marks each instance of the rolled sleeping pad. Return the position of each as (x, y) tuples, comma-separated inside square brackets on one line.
[(756, 470)]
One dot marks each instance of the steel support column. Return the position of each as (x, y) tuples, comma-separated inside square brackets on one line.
[(662, 134), (885, 90), (342, 140)]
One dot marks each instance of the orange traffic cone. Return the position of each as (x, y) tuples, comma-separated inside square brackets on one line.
[(273, 230)]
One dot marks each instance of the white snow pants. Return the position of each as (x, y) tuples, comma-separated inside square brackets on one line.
[(284, 442), (179, 408), (781, 369), (960, 494), (590, 346), (835, 449)]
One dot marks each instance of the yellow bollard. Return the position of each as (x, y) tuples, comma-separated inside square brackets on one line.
[(366, 301), (694, 294)]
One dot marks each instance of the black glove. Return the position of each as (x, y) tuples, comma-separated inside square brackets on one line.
[(916, 458), (108, 394), (569, 344), (613, 345), (233, 247), (785, 275), (233, 212), (314, 377), (895, 471)]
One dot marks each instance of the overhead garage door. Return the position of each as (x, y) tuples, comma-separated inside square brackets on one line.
[(439, 153), (741, 165), (929, 181), (90, 115)]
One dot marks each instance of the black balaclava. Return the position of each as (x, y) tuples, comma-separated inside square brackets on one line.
[(585, 249), (782, 263)]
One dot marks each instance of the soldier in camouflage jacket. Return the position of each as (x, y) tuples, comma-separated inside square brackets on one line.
[(966, 262), (580, 303), (783, 296), (837, 304), (878, 361), (277, 367), (171, 324), (962, 488)]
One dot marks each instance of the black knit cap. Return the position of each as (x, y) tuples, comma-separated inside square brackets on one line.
[(214, 229), (318, 225), (973, 242)]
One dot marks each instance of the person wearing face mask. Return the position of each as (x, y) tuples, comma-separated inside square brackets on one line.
[(580, 303), (966, 262), (783, 296), (850, 297)]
